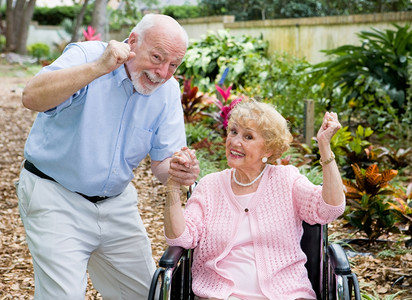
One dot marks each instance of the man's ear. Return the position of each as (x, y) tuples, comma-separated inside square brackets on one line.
[(133, 38)]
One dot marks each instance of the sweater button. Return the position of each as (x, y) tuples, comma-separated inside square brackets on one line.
[(246, 210)]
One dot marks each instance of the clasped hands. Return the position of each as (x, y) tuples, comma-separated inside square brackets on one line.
[(184, 168)]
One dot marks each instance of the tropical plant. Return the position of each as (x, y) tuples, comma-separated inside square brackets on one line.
[(225, 106), (402, 206), (368, 208), (89, 34), (352, 147), (193, 103), (399, 158), (371, 80)]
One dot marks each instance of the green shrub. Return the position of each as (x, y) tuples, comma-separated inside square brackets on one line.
[(2, 42), (39, 50), (56, 15), (182, 11)]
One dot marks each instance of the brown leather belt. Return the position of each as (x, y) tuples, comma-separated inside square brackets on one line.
[(32, 169)]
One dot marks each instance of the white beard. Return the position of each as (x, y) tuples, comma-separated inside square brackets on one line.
[(142, 89)]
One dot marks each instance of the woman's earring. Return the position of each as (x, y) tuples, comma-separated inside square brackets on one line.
[(264, 160)]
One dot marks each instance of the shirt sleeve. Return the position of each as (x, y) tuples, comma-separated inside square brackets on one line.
[(73, 55), (170, 135)]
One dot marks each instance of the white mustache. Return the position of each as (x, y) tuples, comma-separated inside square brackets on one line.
[(154, 78)]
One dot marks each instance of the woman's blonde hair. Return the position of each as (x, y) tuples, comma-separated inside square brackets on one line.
[(269, 122)]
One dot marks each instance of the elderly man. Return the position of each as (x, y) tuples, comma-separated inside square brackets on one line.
[(102, 109)]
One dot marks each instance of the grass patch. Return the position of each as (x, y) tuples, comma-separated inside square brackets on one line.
[(18, 70)]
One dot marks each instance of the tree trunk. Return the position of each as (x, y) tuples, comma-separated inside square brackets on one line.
[(99, 18), (79, 21), (10, 36), (24, 27), (18, 19), (263, 14)]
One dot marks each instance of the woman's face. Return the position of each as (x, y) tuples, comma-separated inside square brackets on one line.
[(245, 148)]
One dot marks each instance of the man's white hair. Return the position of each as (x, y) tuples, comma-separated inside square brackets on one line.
[(150, 20)]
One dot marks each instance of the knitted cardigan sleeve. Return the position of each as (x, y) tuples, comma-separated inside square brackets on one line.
[(195, 225), (309, 202)]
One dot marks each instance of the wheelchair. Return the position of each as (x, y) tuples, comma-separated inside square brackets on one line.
[(327, 264)]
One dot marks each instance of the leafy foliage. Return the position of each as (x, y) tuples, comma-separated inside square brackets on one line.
[(370, 81), (399, 158), (209, 145), (242, 62), (282, 80), (183, 11), (402, 206), (352, 148), (273, 9), (209, 57), (128, 14), (56, 15)]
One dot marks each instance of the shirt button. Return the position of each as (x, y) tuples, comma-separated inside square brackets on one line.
[(246, 210)]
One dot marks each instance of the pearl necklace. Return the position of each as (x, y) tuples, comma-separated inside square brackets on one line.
[(250, 183)]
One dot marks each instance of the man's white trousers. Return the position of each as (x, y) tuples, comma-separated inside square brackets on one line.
[(68, 235)]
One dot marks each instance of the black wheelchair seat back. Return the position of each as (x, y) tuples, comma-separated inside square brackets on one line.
[(313, 244)]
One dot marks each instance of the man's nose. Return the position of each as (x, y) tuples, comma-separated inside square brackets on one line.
[(163, 71)]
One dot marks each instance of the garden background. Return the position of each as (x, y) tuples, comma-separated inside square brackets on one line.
[(368, 82)]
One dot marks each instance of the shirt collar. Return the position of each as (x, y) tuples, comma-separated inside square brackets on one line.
[(121, 75)]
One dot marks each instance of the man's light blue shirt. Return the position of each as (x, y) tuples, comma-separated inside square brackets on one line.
[(92, 142)]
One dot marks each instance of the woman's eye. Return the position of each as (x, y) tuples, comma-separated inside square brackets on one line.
[(249, 137)]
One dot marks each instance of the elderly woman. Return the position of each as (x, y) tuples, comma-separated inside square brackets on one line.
[(246, 222)]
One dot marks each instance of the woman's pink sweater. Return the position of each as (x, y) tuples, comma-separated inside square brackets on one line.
[(283, 199)]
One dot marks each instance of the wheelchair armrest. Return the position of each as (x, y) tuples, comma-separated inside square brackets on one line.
[(171, 257), (348, 281), (338, 260)]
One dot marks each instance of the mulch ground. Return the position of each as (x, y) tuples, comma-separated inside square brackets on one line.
[(379, 275)]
